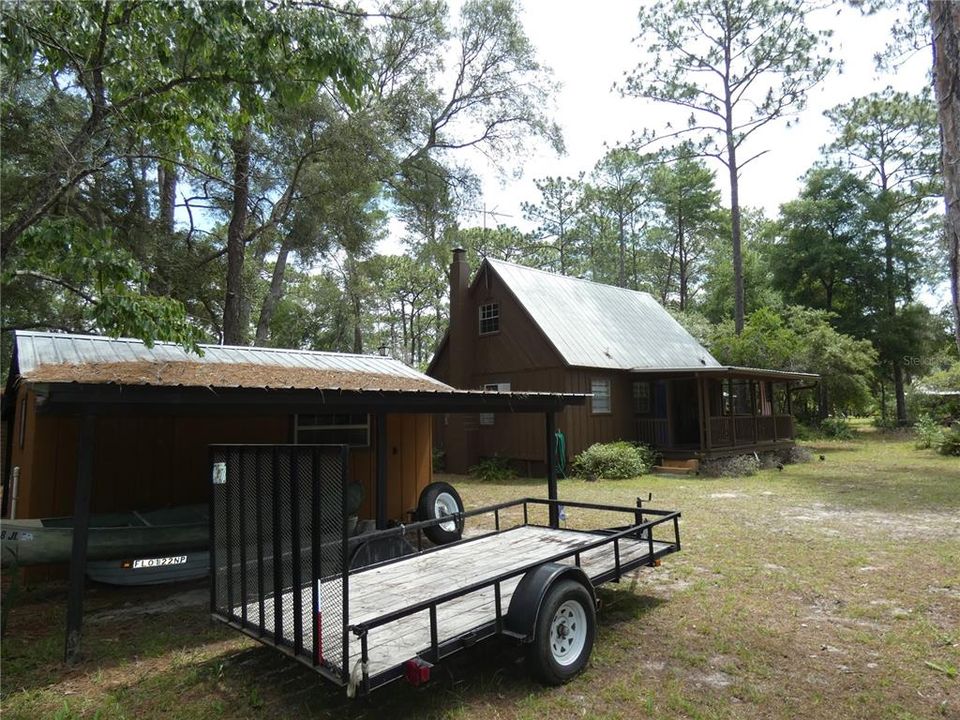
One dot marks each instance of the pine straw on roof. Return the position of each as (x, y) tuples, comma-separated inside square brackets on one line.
[(244, 375)]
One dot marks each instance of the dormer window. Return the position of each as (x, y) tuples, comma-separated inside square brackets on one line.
[(489, 318)]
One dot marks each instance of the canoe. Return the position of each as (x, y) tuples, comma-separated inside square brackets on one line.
[(114, 536)]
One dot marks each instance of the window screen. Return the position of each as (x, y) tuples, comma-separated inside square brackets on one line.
[(600, 387), (351, 429), (489, 318), (641, 398)]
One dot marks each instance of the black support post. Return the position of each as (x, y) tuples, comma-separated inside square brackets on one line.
[(381, 419), (81, 526), (552, 468)]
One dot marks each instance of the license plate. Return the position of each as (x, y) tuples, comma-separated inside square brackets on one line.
[(156, 562)]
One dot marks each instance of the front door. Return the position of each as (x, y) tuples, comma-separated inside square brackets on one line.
[(686, 413)]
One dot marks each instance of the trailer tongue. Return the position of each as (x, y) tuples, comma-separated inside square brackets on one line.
[(280, 553)]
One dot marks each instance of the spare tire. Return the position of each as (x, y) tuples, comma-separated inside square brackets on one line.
[(436, 501)]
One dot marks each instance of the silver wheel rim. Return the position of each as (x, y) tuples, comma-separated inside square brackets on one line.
[(568, 633), (446, 504)]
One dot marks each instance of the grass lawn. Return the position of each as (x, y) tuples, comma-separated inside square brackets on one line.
[(827, 590)]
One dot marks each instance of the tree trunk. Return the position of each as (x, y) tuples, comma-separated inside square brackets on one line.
[(357, 332), (233, 331), (167, 187), (273, 295), (945, 24), (738, 299), (898, 389)]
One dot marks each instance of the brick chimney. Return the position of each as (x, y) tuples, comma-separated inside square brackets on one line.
[(460, 336)]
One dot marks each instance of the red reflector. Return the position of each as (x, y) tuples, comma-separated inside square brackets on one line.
[(318, 633), (416, 671)]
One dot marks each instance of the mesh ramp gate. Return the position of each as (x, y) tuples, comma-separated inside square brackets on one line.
[(278, 547)]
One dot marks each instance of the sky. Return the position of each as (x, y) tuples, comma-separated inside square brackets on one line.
[(589, 46)]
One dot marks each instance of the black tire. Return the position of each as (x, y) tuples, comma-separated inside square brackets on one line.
[(436, 500), (546, 655)]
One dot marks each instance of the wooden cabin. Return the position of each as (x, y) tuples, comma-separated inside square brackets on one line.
[(514, 328)]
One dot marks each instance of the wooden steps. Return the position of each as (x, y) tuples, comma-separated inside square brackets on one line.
[(672, 466)]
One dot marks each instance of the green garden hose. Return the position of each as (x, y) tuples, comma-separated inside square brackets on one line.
[(561, 448)]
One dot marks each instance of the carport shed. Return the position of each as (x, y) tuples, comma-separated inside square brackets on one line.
[(88, 416)]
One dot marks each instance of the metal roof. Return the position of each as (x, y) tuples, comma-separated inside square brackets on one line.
[(732, 370), (55, 357), (602, 326)]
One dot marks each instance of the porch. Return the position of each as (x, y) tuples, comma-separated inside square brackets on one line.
[(714, 411)]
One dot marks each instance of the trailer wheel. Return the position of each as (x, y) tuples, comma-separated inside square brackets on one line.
[(437, 500), (564, 634)]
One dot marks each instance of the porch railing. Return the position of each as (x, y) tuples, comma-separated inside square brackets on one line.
[(653, 431), (749, 429)]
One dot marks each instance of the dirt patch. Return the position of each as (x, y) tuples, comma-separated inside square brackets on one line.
[(833, 521), (172, 603)]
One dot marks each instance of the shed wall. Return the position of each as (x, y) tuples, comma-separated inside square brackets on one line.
[(144, 462)]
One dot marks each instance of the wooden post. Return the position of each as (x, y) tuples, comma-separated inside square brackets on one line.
[(381, 420), (733, 416), (552, 468), (81, 526), (753, 410), (703, 404)]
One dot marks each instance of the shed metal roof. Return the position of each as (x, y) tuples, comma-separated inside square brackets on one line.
[(602, 326), (56, 358)]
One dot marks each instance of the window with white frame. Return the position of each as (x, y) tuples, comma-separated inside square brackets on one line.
[(600, 387), (351, 429), (487, 418), (489, 318)]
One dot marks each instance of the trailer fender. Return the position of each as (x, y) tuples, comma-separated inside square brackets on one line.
[(521, 620)]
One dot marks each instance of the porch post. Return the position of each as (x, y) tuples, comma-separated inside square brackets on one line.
[(81, 527), (704, 418), (552, 468), (733, 416), (706, 404), (753, 410), (381, 420)]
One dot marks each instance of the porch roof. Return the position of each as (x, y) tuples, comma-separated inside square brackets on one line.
[(729, 371)]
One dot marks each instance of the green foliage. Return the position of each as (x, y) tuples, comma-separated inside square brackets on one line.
[(836, 427), (104, 283), (494, 469), (800, 339), (439, 460), (613, 461), (929, 432), (950, 443)]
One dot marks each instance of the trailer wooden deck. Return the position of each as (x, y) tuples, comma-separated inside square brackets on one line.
[(377, 591)]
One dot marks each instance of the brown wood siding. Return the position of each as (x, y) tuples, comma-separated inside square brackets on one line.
[(147, 462)]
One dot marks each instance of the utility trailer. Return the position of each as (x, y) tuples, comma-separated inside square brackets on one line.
[(282, 573)]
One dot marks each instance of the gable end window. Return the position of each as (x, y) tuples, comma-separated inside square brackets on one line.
[(351, 429), (489, 318), (600, 387)]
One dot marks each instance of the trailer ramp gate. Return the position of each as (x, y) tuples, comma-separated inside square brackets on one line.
[(277, 522)]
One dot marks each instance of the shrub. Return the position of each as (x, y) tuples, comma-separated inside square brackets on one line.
[(837, 427), (733, 466), (492, 469), (439, 460), (929, 433), (950, 443), (613, 461)]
